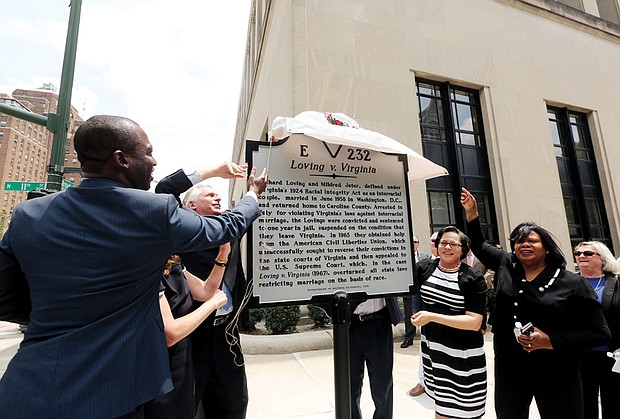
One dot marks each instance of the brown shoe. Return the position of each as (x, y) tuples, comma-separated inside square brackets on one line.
[(417, 390)]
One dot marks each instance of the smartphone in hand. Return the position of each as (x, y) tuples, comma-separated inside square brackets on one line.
[(528, 329)]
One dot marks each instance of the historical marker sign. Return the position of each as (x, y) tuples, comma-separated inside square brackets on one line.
[(335, 217)]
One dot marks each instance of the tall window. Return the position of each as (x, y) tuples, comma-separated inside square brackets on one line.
[(453, 137), (581, 187)]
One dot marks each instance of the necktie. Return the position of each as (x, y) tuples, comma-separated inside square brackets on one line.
[(228, 282), (227, 308)]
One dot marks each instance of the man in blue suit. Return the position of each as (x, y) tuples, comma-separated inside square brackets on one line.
[(83, 267)]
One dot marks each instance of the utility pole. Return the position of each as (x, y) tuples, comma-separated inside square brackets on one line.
[(58, 123)]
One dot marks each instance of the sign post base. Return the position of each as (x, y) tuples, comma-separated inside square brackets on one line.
[(341, 320)]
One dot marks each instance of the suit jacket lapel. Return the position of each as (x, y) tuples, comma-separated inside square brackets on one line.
[(608, 291)]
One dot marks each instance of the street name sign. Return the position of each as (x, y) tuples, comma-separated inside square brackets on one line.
[(24, 186)]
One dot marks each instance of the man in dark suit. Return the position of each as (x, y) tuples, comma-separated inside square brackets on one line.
[(83, 266), (408, 301), (221, 382), (371, 342)]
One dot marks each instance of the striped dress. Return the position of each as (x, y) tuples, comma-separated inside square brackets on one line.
[(455, 373)]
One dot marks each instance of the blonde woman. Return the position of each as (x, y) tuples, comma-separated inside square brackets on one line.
[(598, 266)]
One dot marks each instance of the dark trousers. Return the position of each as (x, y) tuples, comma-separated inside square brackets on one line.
[(596, 375), (371, 342), (221, 383), (411, 304), (179, 403), (551, 378)]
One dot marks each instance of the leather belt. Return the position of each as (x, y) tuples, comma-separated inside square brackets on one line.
[(383, 313)]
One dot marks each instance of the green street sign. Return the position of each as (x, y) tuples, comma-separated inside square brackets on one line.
[(24, 186), (66, 184)]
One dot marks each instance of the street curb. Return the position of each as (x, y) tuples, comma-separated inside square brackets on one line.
[(286, 344), (296, 342), (272, 344)]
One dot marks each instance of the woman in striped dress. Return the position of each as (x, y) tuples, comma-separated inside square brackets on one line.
[(454, 301)]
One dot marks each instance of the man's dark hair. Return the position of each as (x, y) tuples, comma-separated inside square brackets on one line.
[(555, 258), (465, 242), (100, 136)]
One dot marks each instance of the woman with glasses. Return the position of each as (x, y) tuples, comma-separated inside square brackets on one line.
[(452, 347), (544, 316), (598, 266)]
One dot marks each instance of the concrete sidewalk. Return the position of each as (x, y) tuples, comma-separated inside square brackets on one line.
[(301, 384), (292, 376), (10, 338)]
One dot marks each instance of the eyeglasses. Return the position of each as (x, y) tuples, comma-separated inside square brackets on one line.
[(586, 253), (446, 244)]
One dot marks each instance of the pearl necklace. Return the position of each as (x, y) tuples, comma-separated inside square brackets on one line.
[(443, 268)]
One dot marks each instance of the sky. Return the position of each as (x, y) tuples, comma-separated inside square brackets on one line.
[(174, 67)]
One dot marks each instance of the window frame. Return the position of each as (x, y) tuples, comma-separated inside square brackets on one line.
[(576, 176), (451, 188)]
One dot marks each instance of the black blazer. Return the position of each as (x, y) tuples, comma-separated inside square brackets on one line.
[(611, 309), (568, 312), (471, 284)]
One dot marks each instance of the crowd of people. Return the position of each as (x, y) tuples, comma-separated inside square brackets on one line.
[(113, 335), (85, 269), (554, 331)]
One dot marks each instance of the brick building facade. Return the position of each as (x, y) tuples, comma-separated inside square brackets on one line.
[(25, 147)]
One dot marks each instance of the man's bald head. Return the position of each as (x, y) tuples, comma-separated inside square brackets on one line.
[(99, 136)]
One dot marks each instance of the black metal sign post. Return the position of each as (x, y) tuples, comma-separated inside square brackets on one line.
[(341, 320)]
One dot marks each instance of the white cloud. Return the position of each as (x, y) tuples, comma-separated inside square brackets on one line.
[(19, 25), (173, 67), (85, 100), (178, 69)]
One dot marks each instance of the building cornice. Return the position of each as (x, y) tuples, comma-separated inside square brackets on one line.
[(570, 16)]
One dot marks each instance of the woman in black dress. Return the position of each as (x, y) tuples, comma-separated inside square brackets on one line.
[(178, 290), (532, 286)]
